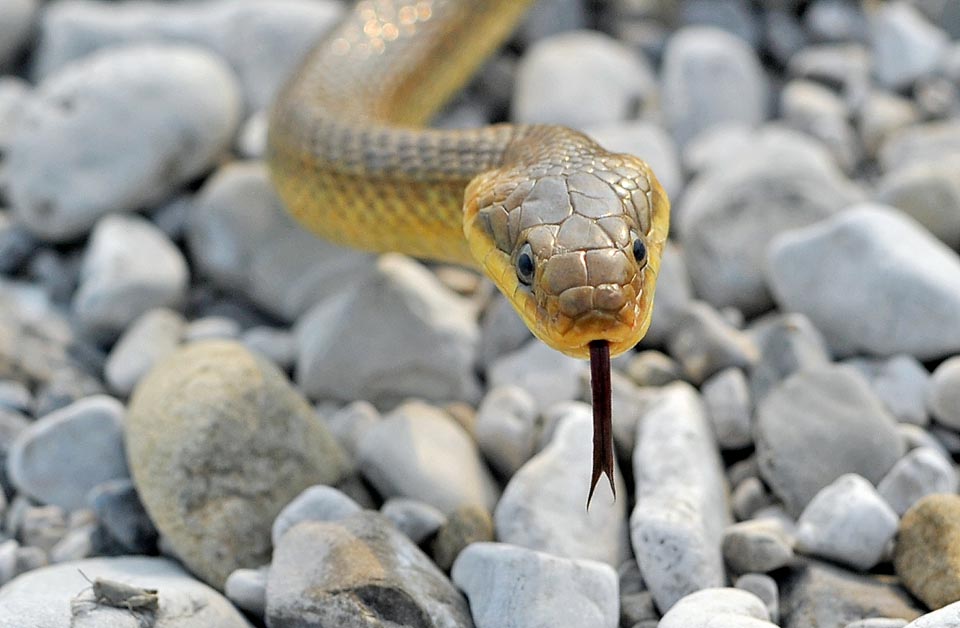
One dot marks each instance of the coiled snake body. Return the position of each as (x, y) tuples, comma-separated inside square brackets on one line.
[(570, 233)]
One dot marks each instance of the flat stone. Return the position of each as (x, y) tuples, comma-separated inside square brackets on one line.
[(718, 608), (757, 546), (419, 521), (214, 400), (681, 509), (923, 471), (820, 424), (927, 554), (505, 586), (506, 428), (466, 525), (927, 192), (905, 45), (60, 597), (848, 522), (62, 455), (917, 294), (704, 343), (152, 336), (419, 451), (548, 376), (727, 398), (427, 350), (902, 384), (68, 162), (121, 514), (358, 572), (542, 508), (317, 503)]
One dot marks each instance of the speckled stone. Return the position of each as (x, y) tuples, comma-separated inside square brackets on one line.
[(927, 553)]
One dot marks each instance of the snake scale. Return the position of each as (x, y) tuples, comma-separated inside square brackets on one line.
[(571, 234)]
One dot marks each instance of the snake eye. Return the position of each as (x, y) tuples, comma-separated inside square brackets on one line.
[(639, 250), (525, 265)]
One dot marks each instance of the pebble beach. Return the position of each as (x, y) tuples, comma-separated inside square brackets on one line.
[(211, 419)]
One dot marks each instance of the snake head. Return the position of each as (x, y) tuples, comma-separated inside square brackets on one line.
[(574, 242)]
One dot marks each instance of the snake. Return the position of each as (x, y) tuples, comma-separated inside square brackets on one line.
[(570, 233)]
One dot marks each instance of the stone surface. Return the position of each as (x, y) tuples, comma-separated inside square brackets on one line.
[(276, 343), (818, 425), (465, 525), (72, 158), (419, 451), (60, 597), (813, 108), (419, 521), (351, 422), (542, 507), (878, 622), (653, 368), (718, 608), (788, 343), (923, 471), (216, 401), (16, 25), (905, 45), (919, 143), (902, 383), (943, 395), (506, 428), (874, 259), (152, 336), (929, 193), (765, 588), (727, 398), (946, 617), (317, 503), (514, 587), (247, 589), (359, 571), (704, 343), (883, 114), (64, 454), (121, 514), (927, 553), (681, 510), (349, 351), (674, 292), (757, 546), (548, 376)]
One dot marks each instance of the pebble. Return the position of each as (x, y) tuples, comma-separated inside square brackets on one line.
[(946, 617), (506, 428), (151, 337), (718, 608), (62, 455), (419, 451), (465, 525), (757, 546), (923, 471), (129, 268), (653, 368), (580, 78), (17, 244), (817, 110), (878, 622), (943, 397), (765, 588), (505, 585), (736, 17), (637, 607), (929, 193), (211, 328), (820, 424), (920, 143), (15, 396), (277, 344), (549, 377), (835, 20), (927, 553), (43, 526), (418, 520), (845, 66), (241, 238), (16, 25), (881, 115), (901, 382), (344, 573), (749, 496), (542, 507), (710, 77), (427, 351), (317, 503), (727, 398), (77, 544), (681, 510), (650, 142), (545, 19), (875, 260), (905, 46), (61, 597), (247, 589), (783, 37), (774, 184), (788, 343), (502, 331), (674, 293), (351, 422), (121, 514), (60, 183), (214, 400), (915, 436), (847, 522), (704, 343)]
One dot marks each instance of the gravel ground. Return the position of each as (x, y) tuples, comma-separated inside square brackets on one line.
[(210, 419)]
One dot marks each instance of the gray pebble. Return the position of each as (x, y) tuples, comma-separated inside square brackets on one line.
[(28, 559), (252, 139), (350, 423), (923, 471), (788, 343), (929, 193), (944, 393), (765, 588), (76, 544), (43, 526), (16, 25), (418, 520), (720, 608), (674, 293), (8, 560), (653, 368), (880, 116), (506, 428), (845, 66), (211, 328), (948, 438), (915, 436), (704, 343), (902, 383), (547, 376), (818, 111), (121, 514), (878, 622), (921, 143), (757, 546), (17, 244), (545, 19), (946, 617), (650, 142), (317, 503), (15, 396), (749, 496), (247, 589), (783, 34), (737, 17), (152, 336), (905, 45), (276, 343), (502, 331), (637, 607), (727, 398), (835, 20)]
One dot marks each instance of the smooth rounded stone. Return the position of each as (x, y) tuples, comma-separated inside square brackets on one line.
[(757, 545), (17, 244), (748, 497), (419, 451), (129, 268), (704, 343), (788, 343), (736, 17), (881, 115), (765, 588), (943, 398), (542, 508), (29, 559), (358, 572), (505, 585), (214, 400), (817, 425), (711, 77), (921, 143), (846, 66), (506, 428), (549, 18), (650, 142), (902, 383), (502, 331), (580, 78), (718, 608), (877, 622), (923, 471), (69, 162), (548, 376), (731, 212), (818, 111), (240, 236), (927, 553), (277, 344), (820, 594), (152, 336), (428, 349), (637, 607), (317, 503), (252, 139), (416, 519), (121, 513), (465, 525), (915, 437), (351, 422), (62, 455), (946, 617), (835, 20), (211, 328), (61, 597), (930, 194), (847, 522), (43, 526), (727, 398), (783, 34), (904, 44), (916, 294), (15, 396), (76, 544), (14, 93), (653, 368), (247, 589), (674, 293), (681, 509), (16, 25)]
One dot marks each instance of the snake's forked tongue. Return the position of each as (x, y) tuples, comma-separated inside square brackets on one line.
[(602, 425)]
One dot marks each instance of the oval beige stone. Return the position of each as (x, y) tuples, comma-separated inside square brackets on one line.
[(218, 441), (927, 554)]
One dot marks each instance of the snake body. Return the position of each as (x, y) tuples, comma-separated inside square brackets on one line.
[(570, 233)]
